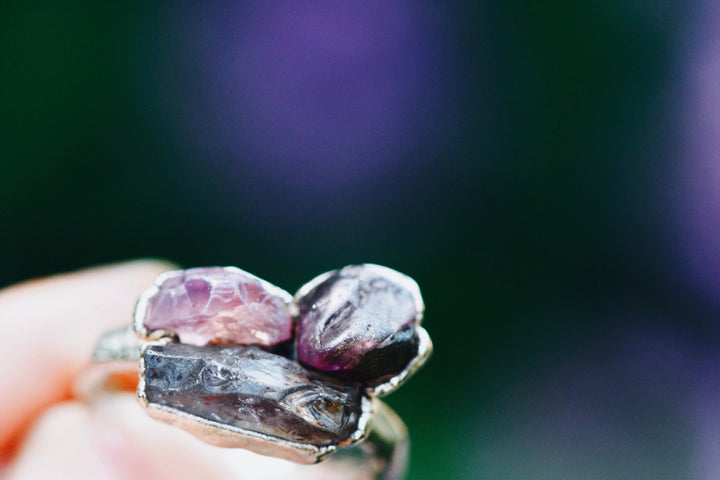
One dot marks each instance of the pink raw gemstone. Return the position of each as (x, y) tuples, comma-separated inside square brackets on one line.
[(217, 305)]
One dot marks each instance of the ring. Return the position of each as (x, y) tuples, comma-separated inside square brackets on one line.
[(239, 362)]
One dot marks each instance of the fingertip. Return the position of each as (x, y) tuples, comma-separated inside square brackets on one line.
[(50, 326)]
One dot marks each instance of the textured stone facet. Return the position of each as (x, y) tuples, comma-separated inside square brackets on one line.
[(360, 322), (252, 389), (219, 305)]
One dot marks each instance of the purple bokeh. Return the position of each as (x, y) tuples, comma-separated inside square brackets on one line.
[(698, 202), (641, 402), (316, 99)]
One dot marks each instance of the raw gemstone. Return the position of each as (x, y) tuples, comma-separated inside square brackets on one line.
[(219, 305), (360, 322), (252, 389)]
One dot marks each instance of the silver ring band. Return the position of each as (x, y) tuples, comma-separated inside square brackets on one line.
[(241, 363), (381, 455)]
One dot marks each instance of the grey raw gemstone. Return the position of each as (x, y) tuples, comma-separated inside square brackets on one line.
[(252, 389)]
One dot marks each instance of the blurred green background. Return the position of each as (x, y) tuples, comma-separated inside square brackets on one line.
[(518, 159)]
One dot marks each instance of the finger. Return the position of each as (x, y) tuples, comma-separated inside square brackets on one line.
[(114, 439), (49, 330), (72, 442)]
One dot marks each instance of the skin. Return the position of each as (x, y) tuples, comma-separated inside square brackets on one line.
[(50, 327)]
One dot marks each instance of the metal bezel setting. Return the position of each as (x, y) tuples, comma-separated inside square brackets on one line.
[(224, 435)]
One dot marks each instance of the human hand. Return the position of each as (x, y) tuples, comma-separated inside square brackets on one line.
[(50, 327)]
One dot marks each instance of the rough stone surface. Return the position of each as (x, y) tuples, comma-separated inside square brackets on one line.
[(359, 322), (252, 389), (219, 305)]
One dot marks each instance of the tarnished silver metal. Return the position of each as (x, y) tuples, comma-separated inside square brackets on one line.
[(377, 448)]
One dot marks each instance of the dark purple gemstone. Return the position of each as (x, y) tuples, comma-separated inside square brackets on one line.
[(359, 322)]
